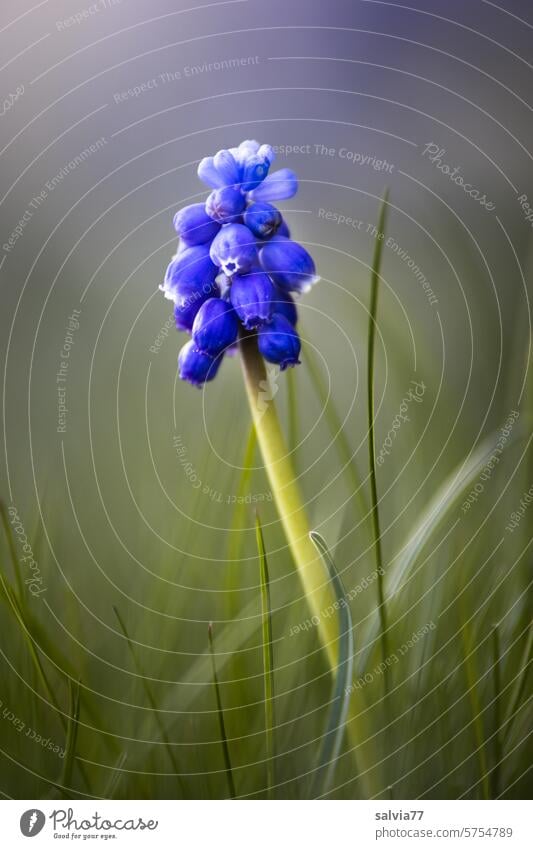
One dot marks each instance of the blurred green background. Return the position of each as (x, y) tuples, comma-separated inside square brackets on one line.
[(143, 503)]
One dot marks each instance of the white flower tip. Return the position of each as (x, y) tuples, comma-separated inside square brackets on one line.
[(310, 282), (168, 293)]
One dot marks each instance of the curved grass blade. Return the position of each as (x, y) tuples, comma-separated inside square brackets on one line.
[(14, 603), (72, 736), (496, 737), (438, 510), (223, 736), (519, 687), (35, 635), (12, 549), (116, 776), (151, 701), (33, 645), (475, 704), (37, 639), (372, 324), (335, 724), (268, 664)]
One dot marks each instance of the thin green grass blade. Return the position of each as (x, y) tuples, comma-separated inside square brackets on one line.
[(151, 701), (35, 635), (222, 727), (12, 549), (37, 638), (34, 631), (475, 705), (519, 687), (497, 689), (14, 604), (22, 619), (372, 324), (72, 737), (433, 517), (336, 720), (268, 662), (116, 776), (440, 508)]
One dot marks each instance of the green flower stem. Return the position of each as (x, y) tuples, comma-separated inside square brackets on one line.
[(287, 494), (309, 565)]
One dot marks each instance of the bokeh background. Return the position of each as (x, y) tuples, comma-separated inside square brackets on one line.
[(107, 110)]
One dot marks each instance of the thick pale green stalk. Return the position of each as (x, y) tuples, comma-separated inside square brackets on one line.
[(316, 585), (287, 494)]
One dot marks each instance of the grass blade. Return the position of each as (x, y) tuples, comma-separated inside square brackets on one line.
[(72, 736), (116, 776), (372, 324), (33, 645), (38, 640), (13, 602), (223, 736), (12, 549), (497, 747), (519, 686), (151, 701), (475, 705), (268, 664), (335, 724), (438, 510)]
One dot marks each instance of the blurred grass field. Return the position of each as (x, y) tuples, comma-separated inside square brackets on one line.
[(147, 535)]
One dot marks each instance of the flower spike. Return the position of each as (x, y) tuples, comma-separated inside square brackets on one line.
[(236, 265)]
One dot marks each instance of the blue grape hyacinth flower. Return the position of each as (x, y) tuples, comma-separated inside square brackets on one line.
[(237, 270)]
